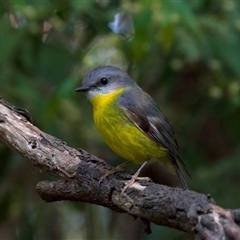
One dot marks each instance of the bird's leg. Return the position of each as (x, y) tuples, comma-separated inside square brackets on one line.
[(135, 178), (118, 168)]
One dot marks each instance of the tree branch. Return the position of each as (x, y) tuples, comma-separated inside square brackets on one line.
[(80, 175)]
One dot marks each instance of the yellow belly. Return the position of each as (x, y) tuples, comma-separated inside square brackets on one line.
[(122, 136)]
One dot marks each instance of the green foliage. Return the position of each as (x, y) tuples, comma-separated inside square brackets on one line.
[(184, 53)]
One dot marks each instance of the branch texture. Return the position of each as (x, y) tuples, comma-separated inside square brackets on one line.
[(80, 175)]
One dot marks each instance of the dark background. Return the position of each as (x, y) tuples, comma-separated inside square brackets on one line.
[(186, 54)]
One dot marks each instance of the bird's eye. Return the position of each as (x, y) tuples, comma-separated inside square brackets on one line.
[(104, 81)]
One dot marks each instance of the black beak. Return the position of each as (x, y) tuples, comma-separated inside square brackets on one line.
[(82, 89)]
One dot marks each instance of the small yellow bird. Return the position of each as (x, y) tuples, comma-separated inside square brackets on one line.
[(129, 120)]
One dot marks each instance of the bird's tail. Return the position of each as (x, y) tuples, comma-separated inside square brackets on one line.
[(181, 171)]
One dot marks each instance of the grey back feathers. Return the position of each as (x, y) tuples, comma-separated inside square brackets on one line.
[(143, 112)]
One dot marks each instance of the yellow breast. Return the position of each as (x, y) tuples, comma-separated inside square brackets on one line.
[(122, 136)]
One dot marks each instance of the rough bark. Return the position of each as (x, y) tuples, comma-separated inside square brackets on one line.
[(80, 179)]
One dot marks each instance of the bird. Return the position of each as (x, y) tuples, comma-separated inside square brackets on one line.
[(130, 122)]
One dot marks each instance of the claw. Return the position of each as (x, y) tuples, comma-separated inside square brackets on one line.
[(135, 178)]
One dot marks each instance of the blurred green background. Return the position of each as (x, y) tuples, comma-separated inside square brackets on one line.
[(186, 54)]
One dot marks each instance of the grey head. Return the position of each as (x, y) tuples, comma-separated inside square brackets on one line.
[(105, 80)]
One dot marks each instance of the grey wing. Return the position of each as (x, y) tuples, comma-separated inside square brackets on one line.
[(145, 114)]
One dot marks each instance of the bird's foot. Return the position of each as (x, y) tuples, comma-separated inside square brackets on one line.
[(133, 180), (118, 168)]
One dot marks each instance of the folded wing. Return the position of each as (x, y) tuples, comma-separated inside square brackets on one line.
[(146, 115)]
